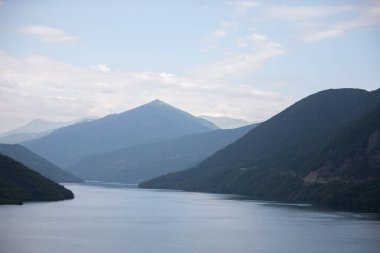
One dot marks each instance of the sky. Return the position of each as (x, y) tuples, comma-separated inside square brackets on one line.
[(248, 59)]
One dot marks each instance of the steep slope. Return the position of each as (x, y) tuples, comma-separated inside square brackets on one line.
[(19, 184), (143, 162), (351, 153), (271, 161), (345, 172), (37, 163), (226, 122), (154, 121)]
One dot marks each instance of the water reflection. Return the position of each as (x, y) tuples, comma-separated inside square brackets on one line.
[(118, 218)]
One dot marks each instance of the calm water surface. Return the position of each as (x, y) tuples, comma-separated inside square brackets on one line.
[(111, 219)]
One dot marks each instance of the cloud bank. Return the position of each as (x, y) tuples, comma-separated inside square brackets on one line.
[(39, 87)]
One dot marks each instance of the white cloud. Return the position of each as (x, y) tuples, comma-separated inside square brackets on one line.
[(317, 31), (39, 87), (261, 49), (215, 36), (258, 37), (101, 68), (243, 5), (49, 34), (286, 12), (313, 32), (219, 33), (312, 23)]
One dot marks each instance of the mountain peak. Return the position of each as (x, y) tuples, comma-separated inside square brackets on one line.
[(158, 102), (151, 122)]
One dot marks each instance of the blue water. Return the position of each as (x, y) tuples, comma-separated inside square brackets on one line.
[(114, 219)]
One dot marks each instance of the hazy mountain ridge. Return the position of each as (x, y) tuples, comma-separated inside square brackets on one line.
[(37, 163), (151, 122), (144, 162), (18, 184), (274, 161), (35, 129), (226, 122), (37, 126), (21, 137)]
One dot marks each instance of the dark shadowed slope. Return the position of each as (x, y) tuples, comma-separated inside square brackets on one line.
[(271, 161), (143, 162), (37, 163), (151, 122), (18, 184)]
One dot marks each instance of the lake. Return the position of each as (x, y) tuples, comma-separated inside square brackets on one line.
[(120, 219)]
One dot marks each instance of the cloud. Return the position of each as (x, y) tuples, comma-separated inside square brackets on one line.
[(258, 37), (4, 83), (260, 50), (49, 34), (215, 36), (101, 68), (317, 31), (297, 13), (45, 88), (1, 3), (243, 5), (317, 23), (219, 33)]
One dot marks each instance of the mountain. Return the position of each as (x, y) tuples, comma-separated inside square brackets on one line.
[(226, 122), (288, 157), (38, 126), (18, 184), (30, 131), (34, 130), (21, 137), (151, 122), (37, 163), (143, 162)]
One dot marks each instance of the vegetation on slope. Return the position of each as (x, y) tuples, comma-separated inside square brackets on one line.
[(37, 163), (19, 184), (144, 162), (322, 150)]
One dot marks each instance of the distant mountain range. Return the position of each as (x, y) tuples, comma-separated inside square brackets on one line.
[(226, 122), (151, 122), (37, 163), (19, 184), (34, 130), (323, 149), (143, 162), (38, 126)]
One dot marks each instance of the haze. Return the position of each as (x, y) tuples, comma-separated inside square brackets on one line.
[(62, 60)]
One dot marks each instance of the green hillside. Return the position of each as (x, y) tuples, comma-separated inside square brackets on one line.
[(324, 150), (37, 163), (144, 162), (19, 184)]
